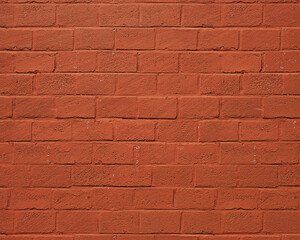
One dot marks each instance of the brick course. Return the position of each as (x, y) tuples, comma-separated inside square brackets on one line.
[(149, 120)]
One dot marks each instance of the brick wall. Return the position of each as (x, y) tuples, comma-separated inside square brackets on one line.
[(149, 120)]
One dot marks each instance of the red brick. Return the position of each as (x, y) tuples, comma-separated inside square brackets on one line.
[(16, 84), (218, 39), (237, 199), (77, 222), (217, 84), (34, 15), (15, 131), (95, 84), (281, 61), (26, 1), (160, 222), (201, 15), (197, 153), (291, 39), (158, 62), (242, 15), (70, 153), (177, 131), (201, 222), (50, 40), (289, 130), (51, 176), (211, 131), (15, 39), (174, 39), (34, 107), (282, 222), (54, 237), (153, 198), (278, 153), (113, 198), (76, 62), (30, 199), (132, 237), (6, 15), (200, 62), (259, 84), (110, 235), (136, 85), (7, 62), (194, 199), (279, 199), (289, 176), (241, 62), (117, 62), (222, 237), (4, 197), (93, 39), (113, 107), (277, 15), (216, 176), (157, 107), (199, 107), (135, 38), (6, 222), (242, 222), (171, 84), (261, 237), (51, 130), (135, 130), (82, 107), (258, 130), (58, 153), (6, 153), (281, 107), (70, 84), (14, 176), (34, 222), (92, 130), (159, 15), (119, 222), (256, 40), (291, 84), (149, 119), (113, 153), (241, 107), (32, 153), (239, 153), (112, 176), (258, 176), (34, 62), (16, 237), (265, 153), (118, 15), (173, 176), (154, 153), (56, 84), (72, 199), (292, 237), (6, 105), (77, 15)]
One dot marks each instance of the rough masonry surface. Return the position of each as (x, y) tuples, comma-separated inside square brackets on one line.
[(149, 120)]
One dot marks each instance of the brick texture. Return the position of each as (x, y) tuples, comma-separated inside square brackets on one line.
[(149, 120)]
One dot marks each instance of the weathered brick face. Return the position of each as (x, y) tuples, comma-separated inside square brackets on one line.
[(149, 120)]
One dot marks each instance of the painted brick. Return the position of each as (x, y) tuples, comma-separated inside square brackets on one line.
[(149, 120)]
